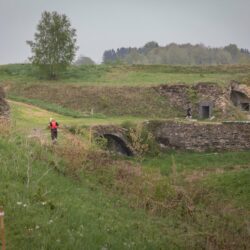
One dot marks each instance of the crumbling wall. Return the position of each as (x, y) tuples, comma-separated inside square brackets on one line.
[(240, 95), (183, 96), (4, 107), (201, 136)]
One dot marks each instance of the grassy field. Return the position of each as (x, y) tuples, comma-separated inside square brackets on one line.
[(74, 196), (26, 117), (124, 75), (114, 90)]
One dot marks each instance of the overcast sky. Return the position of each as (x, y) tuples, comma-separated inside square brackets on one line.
[(107, 24)]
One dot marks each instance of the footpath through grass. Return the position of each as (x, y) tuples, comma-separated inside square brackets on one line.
[(27, 117)]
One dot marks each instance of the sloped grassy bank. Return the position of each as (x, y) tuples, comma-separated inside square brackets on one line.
[(69, 196), (110, 101), (50, 209)]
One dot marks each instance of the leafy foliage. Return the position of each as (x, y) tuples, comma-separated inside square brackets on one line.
[(184, 54), (54, 45)]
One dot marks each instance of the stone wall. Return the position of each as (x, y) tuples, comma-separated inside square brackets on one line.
[(201, 136), (4, 107), (183, 96)]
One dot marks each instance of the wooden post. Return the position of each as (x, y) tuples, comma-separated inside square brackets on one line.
[(2, 228), (90, 135)]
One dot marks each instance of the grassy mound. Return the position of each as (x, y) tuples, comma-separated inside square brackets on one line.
[(110, 101)]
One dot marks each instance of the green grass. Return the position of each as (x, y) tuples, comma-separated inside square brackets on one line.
[(28, 117), (232, 186), (114, 90), (46, 210), (188, 161), (49, 106), (125, 75), (49, 207), (108, 101)]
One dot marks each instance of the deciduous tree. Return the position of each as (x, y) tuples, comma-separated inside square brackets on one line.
[(54, 46)]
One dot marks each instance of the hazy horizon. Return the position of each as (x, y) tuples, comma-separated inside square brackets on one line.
[(111, 24)]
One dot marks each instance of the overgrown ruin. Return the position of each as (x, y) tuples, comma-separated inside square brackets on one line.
[(205, 99), (240, 96)]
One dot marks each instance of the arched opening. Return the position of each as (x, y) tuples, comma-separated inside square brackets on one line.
[(240, 100), (116, 144)]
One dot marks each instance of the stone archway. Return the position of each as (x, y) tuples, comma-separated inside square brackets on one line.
[(116, 138), (240, 99), (117, 144)]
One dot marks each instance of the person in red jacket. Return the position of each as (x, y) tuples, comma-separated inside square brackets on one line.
[(53, 124)]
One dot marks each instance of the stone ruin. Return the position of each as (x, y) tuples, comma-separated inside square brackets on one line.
[(4, 106), (207, 99), (240, 96), (201, 137)]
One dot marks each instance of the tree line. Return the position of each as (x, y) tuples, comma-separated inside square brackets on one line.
[(54, 49), (182, 54)]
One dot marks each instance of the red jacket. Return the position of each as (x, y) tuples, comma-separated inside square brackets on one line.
[(54, 125)]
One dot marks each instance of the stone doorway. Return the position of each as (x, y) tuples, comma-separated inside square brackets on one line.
[(205, 110)]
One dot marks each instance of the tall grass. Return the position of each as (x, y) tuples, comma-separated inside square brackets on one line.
[(49, 209), (198, 161), (194, 208), (73, 195)]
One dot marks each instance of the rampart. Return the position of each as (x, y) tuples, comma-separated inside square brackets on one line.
[(196, 136)]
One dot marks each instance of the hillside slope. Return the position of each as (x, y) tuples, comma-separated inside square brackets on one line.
[(68, 196), (118, 90)]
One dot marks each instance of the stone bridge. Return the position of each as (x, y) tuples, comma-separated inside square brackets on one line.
[(116, 138), (181, 135)]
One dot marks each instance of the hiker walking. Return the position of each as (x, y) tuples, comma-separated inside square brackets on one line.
[(53, 129), (189, 113)]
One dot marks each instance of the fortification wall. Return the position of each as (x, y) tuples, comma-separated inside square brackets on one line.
[(202, 136)]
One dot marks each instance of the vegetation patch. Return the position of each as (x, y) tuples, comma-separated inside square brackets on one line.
[(114, 101)]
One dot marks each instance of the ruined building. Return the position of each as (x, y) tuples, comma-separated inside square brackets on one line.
[(208, 100), (240, 96)]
